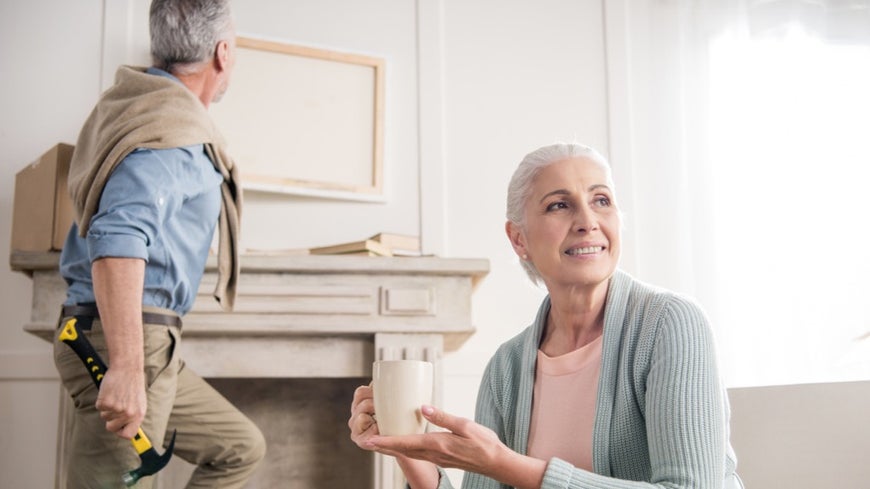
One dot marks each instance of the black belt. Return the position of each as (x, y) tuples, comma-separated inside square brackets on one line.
[(90, 311)]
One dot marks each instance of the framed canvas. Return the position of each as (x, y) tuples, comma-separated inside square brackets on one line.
[(304, 120)]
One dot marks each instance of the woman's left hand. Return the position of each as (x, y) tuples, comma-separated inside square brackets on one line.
[(468, 446)]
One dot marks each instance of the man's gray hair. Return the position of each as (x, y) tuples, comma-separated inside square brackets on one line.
[(184, 33), (520, 185)]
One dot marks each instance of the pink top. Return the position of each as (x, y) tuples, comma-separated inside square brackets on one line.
[(563, 406)]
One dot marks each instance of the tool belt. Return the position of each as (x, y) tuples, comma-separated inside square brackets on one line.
[(89, 310)]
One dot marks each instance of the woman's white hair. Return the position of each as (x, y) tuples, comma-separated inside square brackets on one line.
[(520, 185)]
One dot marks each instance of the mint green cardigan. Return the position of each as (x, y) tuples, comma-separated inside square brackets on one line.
[(661, 418)]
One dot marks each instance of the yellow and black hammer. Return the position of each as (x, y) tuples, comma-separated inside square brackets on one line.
[(152, 462)]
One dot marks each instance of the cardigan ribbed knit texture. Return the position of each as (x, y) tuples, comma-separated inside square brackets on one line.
[(661, 414)]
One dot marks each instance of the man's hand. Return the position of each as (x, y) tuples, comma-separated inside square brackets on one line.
[(121, 401)]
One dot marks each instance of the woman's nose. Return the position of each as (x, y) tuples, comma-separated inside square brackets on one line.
[(584, 220)]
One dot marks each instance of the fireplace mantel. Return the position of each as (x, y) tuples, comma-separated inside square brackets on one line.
[(316, 315), (308, 316)]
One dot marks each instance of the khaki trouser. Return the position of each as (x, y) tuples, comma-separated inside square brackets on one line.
[(212, 434)]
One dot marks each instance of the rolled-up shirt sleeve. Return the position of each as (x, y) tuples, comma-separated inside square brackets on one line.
[(134, 202)]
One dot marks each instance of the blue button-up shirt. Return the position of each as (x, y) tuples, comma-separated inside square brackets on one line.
[(160, 205)]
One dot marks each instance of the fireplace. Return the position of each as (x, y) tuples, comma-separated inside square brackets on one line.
[(303, 335)]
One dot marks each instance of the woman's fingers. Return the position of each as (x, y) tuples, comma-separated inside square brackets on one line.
[(445, 420), (361, 393), (362, 422)]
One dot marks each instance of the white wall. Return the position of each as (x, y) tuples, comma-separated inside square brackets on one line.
[(50, 66)]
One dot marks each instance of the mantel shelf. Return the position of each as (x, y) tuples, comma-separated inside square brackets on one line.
[(297, 299), (475, 268)]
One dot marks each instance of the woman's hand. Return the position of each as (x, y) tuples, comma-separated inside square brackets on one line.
[(362, 417), (468, 446), (363, 428)]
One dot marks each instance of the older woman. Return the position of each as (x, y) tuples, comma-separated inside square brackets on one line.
[(615, 383)]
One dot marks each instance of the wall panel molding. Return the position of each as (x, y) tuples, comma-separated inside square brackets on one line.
[(430, 101)]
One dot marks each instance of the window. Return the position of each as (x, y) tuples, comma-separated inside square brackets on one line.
[(789, 145)]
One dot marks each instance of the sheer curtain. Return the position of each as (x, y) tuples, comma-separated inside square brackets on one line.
[(739, 139)]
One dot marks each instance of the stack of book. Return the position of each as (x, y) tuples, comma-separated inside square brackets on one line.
[(381, 244)]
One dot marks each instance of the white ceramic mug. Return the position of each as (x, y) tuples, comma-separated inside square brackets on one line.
[(401, 387)]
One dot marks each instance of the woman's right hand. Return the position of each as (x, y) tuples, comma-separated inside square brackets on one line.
[(362, 417), (363, 426)]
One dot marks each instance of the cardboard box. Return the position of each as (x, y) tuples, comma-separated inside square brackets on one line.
[(42, 212)]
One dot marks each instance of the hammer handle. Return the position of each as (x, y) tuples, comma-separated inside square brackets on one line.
[(72, 335)]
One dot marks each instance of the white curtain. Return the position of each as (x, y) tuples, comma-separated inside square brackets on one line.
[(739, 134)]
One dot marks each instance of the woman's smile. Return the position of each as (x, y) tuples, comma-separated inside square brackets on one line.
[(584, 250)]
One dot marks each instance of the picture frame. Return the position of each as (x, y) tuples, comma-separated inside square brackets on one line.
[(306, 121)]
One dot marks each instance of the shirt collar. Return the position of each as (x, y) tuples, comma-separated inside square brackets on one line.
[(157, 71)]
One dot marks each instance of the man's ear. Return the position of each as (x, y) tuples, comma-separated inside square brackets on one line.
[(222, 55), (517, 238)]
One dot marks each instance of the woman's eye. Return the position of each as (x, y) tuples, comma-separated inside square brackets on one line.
[(557, 205), (602, 201)]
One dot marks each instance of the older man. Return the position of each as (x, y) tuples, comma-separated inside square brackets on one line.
[(150, 182)]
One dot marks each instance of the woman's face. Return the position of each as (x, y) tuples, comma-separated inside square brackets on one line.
[(572, 226)]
